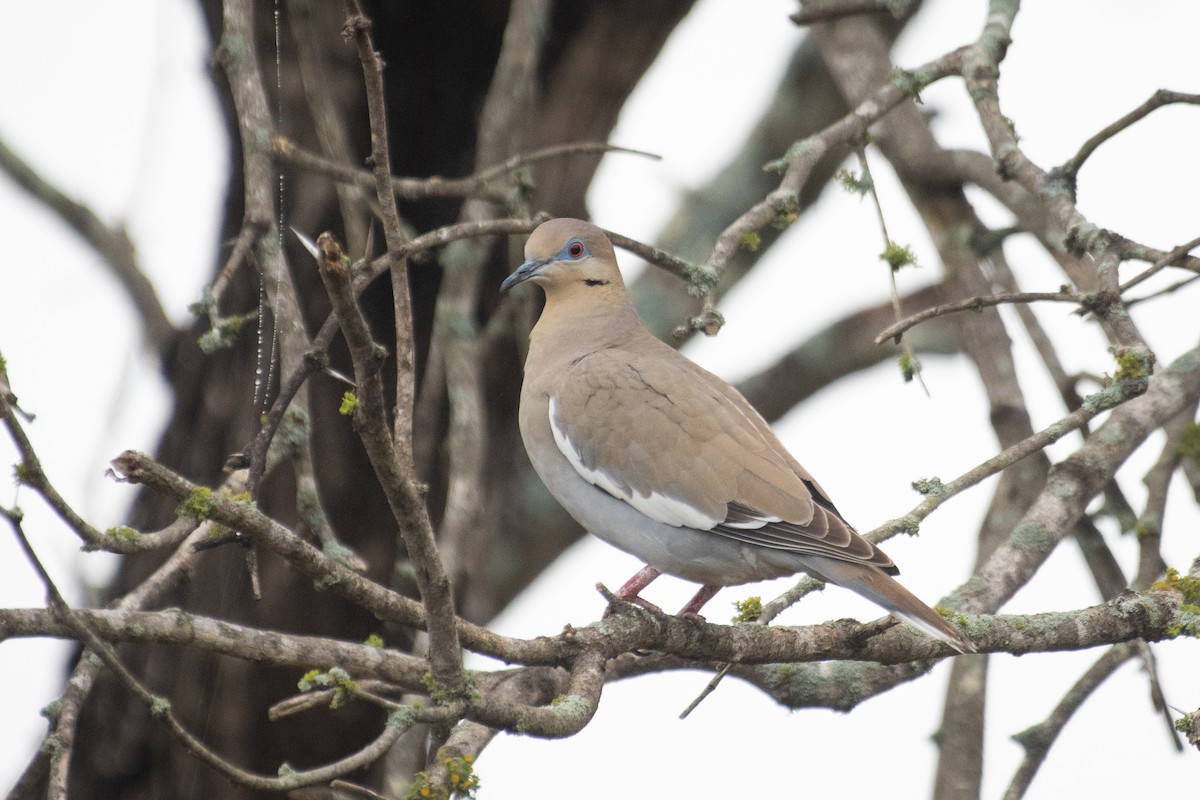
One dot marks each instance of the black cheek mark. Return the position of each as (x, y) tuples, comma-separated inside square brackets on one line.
[(594, 282)]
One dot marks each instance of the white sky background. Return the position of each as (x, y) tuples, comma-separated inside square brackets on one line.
[(132, 131)]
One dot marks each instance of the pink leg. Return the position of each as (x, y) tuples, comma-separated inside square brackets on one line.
[(692, 609), (640, 581)]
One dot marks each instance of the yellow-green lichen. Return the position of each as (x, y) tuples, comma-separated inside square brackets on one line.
[(1147, 527), (336, 678), (349, 404), (123, 533), (749, 609), (1186, 585), (909, 366), (787, 210), (1133, 363), (751, 240), (898, 256), (223, 332), (374, 640), (461, 780), (198, 504)]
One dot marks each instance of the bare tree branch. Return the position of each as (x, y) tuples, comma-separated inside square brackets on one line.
[(113, 245)]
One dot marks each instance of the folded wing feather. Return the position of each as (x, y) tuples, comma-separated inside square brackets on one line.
[(685, 449)]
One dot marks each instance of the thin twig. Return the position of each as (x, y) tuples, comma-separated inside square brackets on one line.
[(404, 497), (328, 124), (238, 255), (113, 245), (777, 208), (1157, 480), (479, 185), (913, 367), (160, 708), (1166, 261), (122, 539), (981, 73), (1160, 98), (1006, 458), (972, 304), (1038, 739)]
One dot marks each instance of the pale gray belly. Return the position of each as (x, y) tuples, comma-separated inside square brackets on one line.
[(687, 553)]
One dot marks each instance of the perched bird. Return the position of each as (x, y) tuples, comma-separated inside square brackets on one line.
[(663, 459)]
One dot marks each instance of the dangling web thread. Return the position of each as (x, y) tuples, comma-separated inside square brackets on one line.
[(262, 383)]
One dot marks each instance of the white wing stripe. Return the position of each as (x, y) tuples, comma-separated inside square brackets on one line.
[(659, 507), (750, 524)]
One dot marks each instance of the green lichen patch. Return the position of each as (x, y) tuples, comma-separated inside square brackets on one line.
[(292, 435), (910, 367), (748, 610), (853, 183), (442, 694), (336, 678), (701, 280), (1032, 536), (930, 487), (908, 525), (812, 148), (787, 210), (1133, 363), (124, 533), (898, 256), (349, 404), (1186, 585), (403, 717), (911, 82), (751, 240), (52, 710), (198, 504)]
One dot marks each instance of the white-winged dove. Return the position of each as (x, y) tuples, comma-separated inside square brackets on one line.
[(665, 460)]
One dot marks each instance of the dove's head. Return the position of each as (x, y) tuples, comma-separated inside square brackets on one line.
[(567, 256)]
